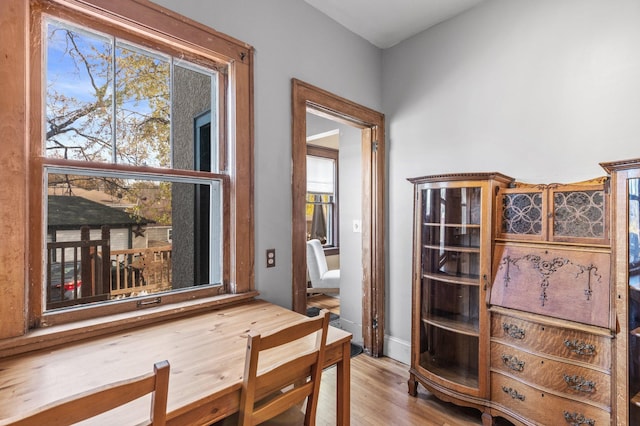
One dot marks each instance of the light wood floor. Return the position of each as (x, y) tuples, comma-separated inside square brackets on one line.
[(323, 301), (379, 396), (379, 393)]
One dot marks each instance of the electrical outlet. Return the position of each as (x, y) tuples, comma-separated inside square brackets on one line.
[(271, 258)]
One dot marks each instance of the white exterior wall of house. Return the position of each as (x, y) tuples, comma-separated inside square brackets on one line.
[(156, 234)]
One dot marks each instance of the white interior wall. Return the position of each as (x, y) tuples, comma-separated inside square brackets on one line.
[(350, 168), (539, 90), (291, 40), (542, 91)]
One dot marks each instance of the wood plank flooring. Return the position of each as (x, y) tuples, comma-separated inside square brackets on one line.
[(379, 396), (379, 393), (323, 301)]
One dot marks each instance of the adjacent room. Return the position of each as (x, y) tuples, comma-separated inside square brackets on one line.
[(423, 213)]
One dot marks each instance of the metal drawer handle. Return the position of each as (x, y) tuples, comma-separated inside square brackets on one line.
[(577, 419), (513, 393), (513, 331), (580, 348), (513, 362), (579, 383)]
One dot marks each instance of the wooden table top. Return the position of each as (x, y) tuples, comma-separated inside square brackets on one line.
[(206, 353)]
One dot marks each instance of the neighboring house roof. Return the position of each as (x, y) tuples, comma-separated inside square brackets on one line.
[(68, 212), (91, 194)]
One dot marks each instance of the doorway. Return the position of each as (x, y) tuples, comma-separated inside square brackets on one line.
[(309, 99)]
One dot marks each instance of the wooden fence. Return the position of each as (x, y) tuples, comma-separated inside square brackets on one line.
[(134, 271), (102, 273)]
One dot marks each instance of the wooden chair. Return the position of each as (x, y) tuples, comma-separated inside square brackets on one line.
[(96, 401), (277, 392)]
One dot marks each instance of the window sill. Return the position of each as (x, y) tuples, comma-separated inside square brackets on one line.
[(47, 337), (331, 251)]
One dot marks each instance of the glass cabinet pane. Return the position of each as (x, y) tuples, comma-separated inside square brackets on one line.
[(563, 213), (634, 301), (579, 213), (451, 235), (450, 355), (521, 213), (453, 306), (451, 261), (450, 283), (451, 206)]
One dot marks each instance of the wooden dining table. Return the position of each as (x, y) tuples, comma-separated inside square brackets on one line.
[(206, 352)]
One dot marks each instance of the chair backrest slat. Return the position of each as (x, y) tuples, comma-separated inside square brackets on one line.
[(286, 383), (104, 398), (284, 374), (290, 333)]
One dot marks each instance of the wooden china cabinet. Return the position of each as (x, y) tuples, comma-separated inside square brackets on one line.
[(513, 305), (552, 323), (453, 216), (625, 184)]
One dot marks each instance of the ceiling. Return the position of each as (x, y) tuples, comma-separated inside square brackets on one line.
[(385, 23)]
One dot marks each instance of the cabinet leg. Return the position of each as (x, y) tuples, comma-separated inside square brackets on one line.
[(487, 419), (413, 385)]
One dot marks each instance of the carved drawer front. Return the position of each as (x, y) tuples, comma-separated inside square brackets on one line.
[(560, 282), (574, 381), (561, 342), (543, 408)]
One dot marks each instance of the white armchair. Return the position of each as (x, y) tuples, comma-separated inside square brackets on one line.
[(323, 280)]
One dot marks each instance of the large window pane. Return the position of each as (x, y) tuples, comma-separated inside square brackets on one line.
[(143, 111), (142, 229), (321, 212), (79, 94), (321, 174), (113, 234), (165, 112)]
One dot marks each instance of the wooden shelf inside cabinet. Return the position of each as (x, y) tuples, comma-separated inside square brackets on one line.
[(472, 280), (636, 332), (636, 399), (453, 225), (460, 249), (457, 324), (455, 375)]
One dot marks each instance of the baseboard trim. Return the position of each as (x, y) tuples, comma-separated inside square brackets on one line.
[(400, 350)]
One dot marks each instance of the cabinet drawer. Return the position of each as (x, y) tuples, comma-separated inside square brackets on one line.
[(575, 381), (543, 408), (562, 342)]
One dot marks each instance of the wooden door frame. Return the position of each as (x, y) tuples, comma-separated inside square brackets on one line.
[(308, 98)]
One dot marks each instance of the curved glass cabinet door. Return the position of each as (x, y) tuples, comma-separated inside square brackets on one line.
[(450, 283), (634, 300)]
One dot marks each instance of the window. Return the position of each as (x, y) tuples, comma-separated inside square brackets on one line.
[(142, 188), (322, 195)]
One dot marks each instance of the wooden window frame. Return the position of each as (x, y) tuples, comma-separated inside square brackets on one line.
[(155, 26)]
